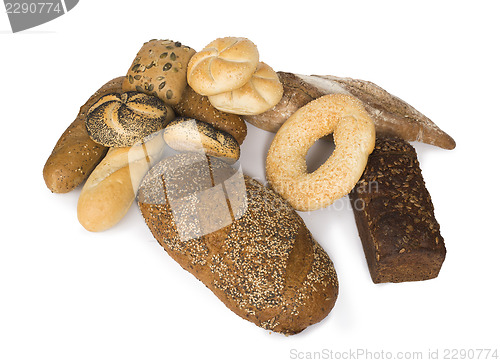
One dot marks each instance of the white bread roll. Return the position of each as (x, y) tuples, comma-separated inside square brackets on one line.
[(223, 65), (261, 93), (111, 188)]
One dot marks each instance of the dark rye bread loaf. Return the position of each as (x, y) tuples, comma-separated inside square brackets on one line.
[(262, 262), (395, 216)]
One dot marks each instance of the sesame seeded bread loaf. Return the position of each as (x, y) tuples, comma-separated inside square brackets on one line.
[(395, 216), (75, 154), (242, 240)]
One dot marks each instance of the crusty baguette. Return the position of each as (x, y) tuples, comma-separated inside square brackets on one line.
[(391, 115), (262, 263), (110, 190), (75, 154)]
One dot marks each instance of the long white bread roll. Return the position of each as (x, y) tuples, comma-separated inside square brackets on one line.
[(111, 188)]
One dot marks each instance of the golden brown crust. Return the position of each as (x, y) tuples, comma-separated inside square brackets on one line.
[(264, 266), (159, 69), (194, 105), (354, 135), (259, 94), (223, 65), (110, 190), (75, 155)]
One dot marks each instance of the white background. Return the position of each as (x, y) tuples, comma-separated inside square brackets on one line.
[(68, 295)]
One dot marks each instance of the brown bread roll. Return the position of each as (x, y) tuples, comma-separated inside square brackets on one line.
[(242, 240), (159, 69), (194, 105), (75, 154), (259, 94), (123, 119), (395, 216)]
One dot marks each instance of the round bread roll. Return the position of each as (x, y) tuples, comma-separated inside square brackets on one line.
[(184, 134), (261, 93), (223, 65), (119, 120), (159, 69)]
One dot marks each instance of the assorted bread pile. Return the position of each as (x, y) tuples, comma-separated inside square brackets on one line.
[(168, 135)]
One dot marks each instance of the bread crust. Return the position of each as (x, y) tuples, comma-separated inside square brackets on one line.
[(354, 135), (259, 94), (395, 216), (194, 105), (159, 70), (110, 190), (184, 134), (75, 154), (264, 265), (223, 65), (390, 114)]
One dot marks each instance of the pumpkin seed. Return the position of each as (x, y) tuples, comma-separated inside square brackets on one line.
[(150, 87), (138, 77), (160, 78), (136, 67), (130, 79), (173, 56), (139, 89), (160, 87), (169, 94), (163, 55), (167, 66)]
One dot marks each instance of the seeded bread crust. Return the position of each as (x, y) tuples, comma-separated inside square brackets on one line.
[(264, 266), (159, 69), (123, 119), (75, 154), (395, 216), (187, 134)]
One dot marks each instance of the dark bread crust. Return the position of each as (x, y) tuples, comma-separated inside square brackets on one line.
[(296, 93), (395, 216), (75, 154), (265, 266), (194, 105)]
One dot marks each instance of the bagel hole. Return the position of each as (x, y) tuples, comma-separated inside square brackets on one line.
[(319, 153)]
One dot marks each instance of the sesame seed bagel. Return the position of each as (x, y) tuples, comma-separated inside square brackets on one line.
[(241, 239), (354, 136), (185, 134), (262, 92), (120, 120), (223, 65)]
